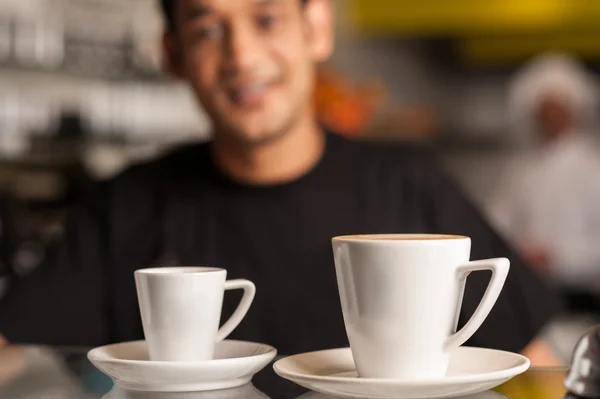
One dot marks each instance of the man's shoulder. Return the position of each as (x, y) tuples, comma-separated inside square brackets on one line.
[(393, 155)]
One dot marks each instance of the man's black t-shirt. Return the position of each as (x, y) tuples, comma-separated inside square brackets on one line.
[(180, 210)]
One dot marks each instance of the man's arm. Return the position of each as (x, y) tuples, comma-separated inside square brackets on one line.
[(84, 292), (63, 302), (541, 354)]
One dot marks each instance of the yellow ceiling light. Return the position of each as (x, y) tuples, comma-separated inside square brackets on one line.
[(469, 17)]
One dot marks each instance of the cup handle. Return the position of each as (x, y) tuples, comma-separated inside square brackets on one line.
[(499, 268), (239, 314)]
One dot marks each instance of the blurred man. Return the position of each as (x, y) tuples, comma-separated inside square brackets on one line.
[(549, 200), (262, 199)]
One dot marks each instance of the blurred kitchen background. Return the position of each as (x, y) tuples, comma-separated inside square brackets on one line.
[(82, 94)]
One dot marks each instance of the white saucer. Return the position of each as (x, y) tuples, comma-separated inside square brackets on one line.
[(247, 391), (128, 366), (332, 372), (318, 395)]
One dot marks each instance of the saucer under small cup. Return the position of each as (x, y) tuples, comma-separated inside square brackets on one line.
[(234, 364), (471, 371), (247, 391)]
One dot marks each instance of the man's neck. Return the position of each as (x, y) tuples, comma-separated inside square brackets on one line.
[(279, 161)]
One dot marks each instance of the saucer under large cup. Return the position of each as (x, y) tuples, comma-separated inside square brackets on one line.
[(234, 364), (471, 371), (480, 395)]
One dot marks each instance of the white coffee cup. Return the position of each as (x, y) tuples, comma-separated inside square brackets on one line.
[(181, 310), (401, 297)]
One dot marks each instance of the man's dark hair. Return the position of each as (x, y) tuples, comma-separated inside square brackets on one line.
[(168, 11)]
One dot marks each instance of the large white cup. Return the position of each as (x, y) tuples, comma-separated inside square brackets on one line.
[(401, 297), (181, 310)]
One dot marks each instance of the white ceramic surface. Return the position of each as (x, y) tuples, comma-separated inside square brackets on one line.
[(247, 391), (470, 371), (481, 395), (181, 310), (234, 365), (401, 298)]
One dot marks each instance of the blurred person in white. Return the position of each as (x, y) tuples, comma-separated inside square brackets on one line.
[(548, 201), (262, 199)]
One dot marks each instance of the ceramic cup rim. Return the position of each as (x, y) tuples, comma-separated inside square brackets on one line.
[(179, 271), (400, 238)]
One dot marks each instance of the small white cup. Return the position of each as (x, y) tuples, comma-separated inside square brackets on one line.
[(181, 310), (401, 297)]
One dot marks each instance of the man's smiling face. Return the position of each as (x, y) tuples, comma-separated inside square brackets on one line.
[(250, 62)]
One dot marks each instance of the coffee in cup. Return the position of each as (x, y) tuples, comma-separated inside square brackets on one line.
[(401, 297)]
